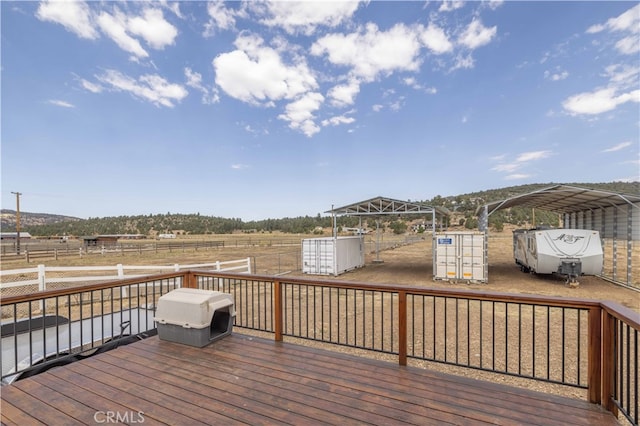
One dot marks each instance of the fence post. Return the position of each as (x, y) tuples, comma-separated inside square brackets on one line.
[(594, 372), (217, 265), (42, 280), (277, 314), (402, 327), (176, 267), (120, 270), (27, 255)]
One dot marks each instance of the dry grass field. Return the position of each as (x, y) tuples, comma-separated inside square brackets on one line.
[(406, 264)]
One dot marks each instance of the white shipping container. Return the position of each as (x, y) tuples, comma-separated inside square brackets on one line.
[(332, 256), (460, 256)]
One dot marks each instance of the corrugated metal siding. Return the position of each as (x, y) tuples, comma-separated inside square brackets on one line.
[(619, 227), (610, 221)]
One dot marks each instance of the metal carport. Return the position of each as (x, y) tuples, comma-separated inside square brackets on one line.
[(616, 216), (388, 206)]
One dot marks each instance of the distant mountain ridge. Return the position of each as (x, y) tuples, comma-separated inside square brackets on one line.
[(8, 219), (43, 224)]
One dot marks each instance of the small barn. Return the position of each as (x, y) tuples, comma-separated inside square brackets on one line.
[(100, 240), (12, 236)]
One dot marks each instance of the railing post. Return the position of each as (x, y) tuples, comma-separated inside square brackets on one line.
[(596, 345), (277, 307), (189, 280), (402, 327), (609, 337)]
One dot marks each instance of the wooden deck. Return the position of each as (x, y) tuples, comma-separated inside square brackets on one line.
[(247, 380)]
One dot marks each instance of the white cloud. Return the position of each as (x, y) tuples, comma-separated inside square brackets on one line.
[(153, 28), (337, 120), (413, 83), (519, 162), (448, 6), (60, 103), (597, 28), (397, 104), (240, 166), (305, 16), (74, 16), (531, 156), (476, 35), (435, 39), (115, 26), (299, 113), (517, 176), (194, 80), (151, 88), (506, 167), (621, 88), (463, 62), (627, 22), (92, 87), (598, 101), (257, 74), (371, 52), (557, 76), (493, 4), (617, 147), (377, 107), (628, 45), (220, 18), (122, 28), (344, 94)]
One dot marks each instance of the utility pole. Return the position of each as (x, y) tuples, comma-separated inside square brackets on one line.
[(18, 194)]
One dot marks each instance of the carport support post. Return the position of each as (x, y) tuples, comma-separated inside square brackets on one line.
[(377, 241), (335, 224)]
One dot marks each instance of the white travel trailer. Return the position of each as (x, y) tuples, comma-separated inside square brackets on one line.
[(566, 252)]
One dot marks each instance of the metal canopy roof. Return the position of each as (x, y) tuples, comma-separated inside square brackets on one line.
[(382, 205), (564, 199)]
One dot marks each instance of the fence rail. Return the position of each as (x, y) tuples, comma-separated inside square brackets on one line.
[(579, 343), (34, 251), (44, 276)]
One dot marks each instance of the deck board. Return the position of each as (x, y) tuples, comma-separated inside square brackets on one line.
[(247, 380)]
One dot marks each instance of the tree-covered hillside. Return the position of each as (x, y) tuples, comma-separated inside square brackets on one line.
[(463, 208)]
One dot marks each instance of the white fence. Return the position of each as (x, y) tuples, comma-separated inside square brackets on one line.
[(42, 275)]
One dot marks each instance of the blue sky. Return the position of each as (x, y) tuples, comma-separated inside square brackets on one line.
[(259, 110)]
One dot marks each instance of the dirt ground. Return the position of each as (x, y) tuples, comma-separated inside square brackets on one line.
[(412, 265)]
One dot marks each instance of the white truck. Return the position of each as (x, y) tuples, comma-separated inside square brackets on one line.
[(570, 253)]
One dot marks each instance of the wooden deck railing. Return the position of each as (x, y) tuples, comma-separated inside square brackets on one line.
[(580, 343)]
